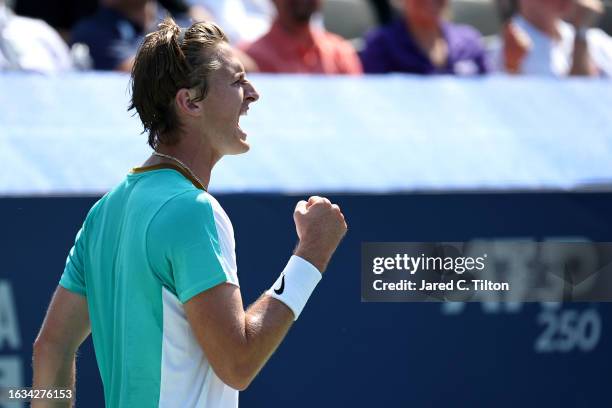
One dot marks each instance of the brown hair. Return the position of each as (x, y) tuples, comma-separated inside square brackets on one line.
[(170, 59)]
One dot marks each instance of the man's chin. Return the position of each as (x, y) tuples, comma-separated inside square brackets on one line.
[(245, 146), (241, 147)]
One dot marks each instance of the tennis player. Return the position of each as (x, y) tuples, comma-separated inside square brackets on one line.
[(152, 274)]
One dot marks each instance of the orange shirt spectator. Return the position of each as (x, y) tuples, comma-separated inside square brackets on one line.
[(308, 51)]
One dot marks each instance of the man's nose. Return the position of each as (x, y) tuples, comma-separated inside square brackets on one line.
[(251, 93)]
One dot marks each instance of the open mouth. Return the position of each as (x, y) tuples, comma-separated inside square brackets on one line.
[(243, 134)]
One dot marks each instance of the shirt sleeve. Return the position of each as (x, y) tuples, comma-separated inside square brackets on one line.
[(185, 247), (73, 277)]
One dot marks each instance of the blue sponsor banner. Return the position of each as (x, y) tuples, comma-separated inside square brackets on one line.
[(343, 352)]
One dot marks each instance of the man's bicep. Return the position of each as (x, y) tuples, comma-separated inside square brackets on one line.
[(66, 324), (216, 316)]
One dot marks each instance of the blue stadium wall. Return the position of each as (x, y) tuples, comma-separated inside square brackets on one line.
[(342, 352)]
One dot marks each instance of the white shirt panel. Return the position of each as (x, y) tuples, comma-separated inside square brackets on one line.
[(225, 231), (187, 379)]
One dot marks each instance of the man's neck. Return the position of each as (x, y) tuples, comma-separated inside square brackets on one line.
[(198, 158)]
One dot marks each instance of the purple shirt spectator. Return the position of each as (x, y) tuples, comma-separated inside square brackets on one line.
[(392, 49)]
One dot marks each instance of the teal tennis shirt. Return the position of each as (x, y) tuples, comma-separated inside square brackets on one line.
[(145, 248)]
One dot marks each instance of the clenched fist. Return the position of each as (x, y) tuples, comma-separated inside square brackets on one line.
[(320, 226)]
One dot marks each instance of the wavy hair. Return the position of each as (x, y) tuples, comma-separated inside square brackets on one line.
[(170, 59)]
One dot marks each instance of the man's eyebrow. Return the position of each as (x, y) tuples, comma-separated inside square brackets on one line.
[(239, 74), (236, 68)]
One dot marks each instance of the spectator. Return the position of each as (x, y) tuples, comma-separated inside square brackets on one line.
[(63, 14), (30, 44), (538, 42), (115, 31), (60, 14), (295, 45), (423, 42)]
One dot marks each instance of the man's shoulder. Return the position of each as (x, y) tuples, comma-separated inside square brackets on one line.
[(189, 206), (189, 218), (147, 194), (198, 205), (191, 199), (94, 210)]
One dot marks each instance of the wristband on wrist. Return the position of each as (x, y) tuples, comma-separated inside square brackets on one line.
[(295, 284)]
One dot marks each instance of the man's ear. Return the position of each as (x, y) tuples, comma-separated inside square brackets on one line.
[(184, 100)]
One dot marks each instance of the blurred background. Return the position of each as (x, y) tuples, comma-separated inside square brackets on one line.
[(426, 120)]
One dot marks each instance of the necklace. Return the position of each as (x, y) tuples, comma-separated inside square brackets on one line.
[(183, 165)]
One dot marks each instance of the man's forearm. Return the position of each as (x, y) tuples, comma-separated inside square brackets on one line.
[(53, 368), (267, 322), (269, 318)]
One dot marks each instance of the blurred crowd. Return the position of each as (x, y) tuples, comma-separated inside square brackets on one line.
[(535, 37)]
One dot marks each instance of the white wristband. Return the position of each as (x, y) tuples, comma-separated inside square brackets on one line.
[(295, 284)]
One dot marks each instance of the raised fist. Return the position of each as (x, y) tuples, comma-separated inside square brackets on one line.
[(320, 226)]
